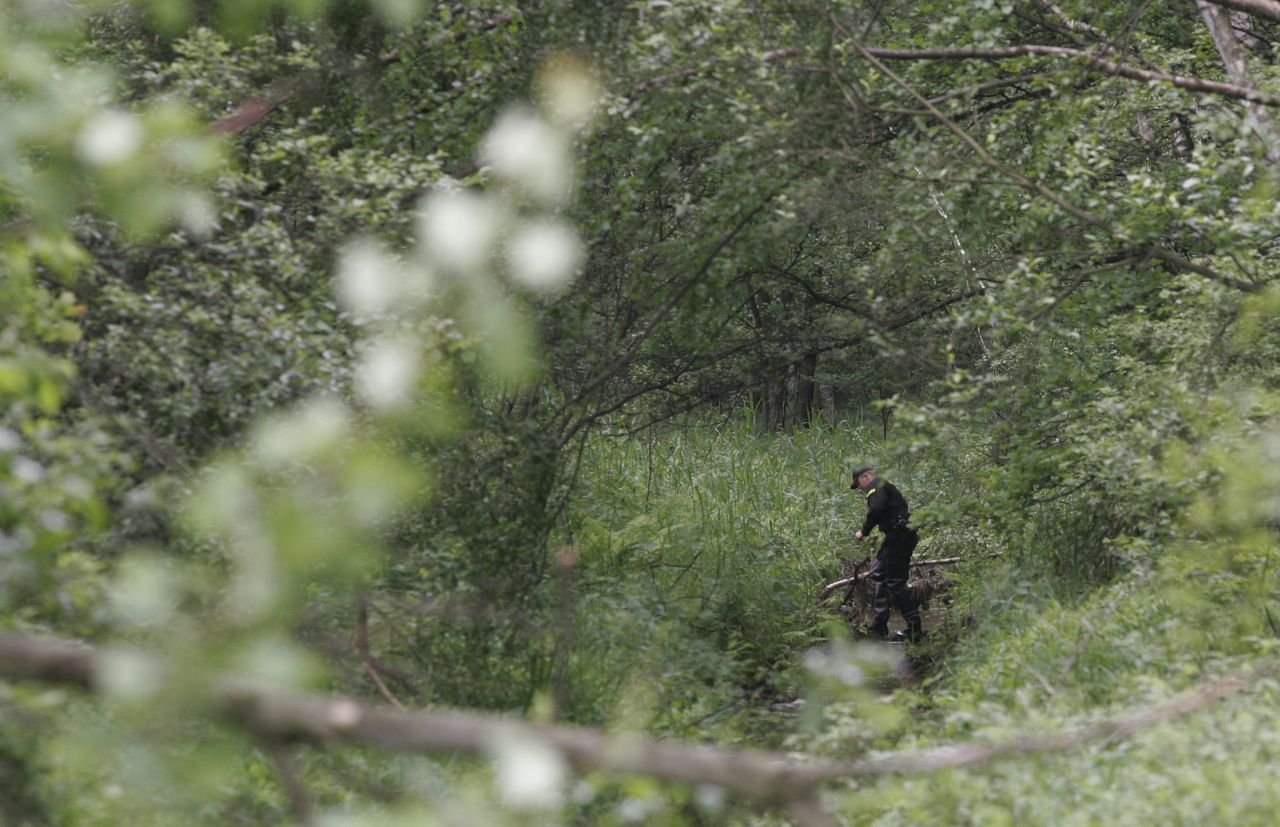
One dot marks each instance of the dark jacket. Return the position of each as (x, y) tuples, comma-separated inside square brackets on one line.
[(887, 509)]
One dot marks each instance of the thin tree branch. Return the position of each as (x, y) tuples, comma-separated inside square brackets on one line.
[(937, 561), (569, 428), (1155, 250), (1111, 67), (57, 661), (299, 799), (253, 110), (1076, 283), (366, 659)]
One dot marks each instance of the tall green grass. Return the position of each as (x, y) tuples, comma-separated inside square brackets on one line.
[(703, 549)]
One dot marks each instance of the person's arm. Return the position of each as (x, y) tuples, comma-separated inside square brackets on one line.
[(876, 504)]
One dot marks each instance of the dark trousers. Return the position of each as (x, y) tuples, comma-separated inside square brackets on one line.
[(893, 564)]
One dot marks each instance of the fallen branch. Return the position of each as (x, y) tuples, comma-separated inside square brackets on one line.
[(971, 755), (939, 561), (757, 775), (945, 561), (847, 581)]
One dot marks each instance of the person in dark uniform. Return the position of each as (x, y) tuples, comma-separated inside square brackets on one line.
[(888, 510)]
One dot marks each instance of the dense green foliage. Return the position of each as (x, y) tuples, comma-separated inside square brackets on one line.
[(515, 357)]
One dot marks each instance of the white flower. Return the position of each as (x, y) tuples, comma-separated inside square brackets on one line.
[(570, 92), (302, 435), (524, 150), (109, 138), (387, 373), (27, 470), (367, 279), (544, 255), (531, 774), (458, 230)]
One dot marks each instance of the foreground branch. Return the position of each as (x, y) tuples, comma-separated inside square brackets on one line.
[(752, 774)]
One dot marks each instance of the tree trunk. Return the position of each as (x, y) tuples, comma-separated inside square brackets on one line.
[(1242, 28), (1233, 58), (827, 399), (802, 405), (773, 403)]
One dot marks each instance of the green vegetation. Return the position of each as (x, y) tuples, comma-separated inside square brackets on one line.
[(499, 368)]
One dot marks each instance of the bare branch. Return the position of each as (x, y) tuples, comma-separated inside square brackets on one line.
[(1111, 67), (937, 561), (569, 427), (1263, 8), (366, 658), (251, 111), (1155, 250), (299, 799), (56, 661), (970, 755)]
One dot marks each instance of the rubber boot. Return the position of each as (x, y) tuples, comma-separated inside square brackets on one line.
[(915, 628)]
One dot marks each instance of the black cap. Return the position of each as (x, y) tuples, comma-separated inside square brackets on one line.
[(859, 473)]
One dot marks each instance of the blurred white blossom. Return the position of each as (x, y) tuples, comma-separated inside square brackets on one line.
[(27, 470), (387, 373), (144, 592), (458, 230), (526, 151), (544, 255), (302, 435), (367, 278), (109, 138), (128, 674), (531, 774), (569, 90), (196, 214)]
